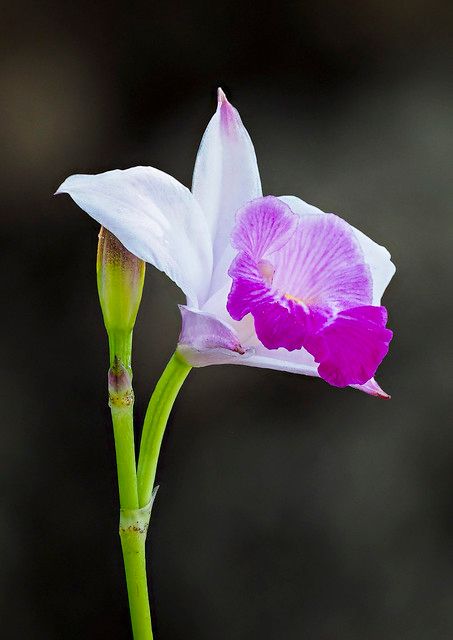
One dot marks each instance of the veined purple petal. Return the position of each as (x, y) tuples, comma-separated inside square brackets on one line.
[(249, 289), (376, 256), (155, 217), (307, 285), (322, 266), (295, 266), (263, 226), (225, 178)]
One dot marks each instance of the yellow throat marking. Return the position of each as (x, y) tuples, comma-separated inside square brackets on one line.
[(288, 296)]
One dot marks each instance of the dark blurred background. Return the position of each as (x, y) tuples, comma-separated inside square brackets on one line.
[(287, 509)]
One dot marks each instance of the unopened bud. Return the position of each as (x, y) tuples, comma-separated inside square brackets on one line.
[(120, 277)]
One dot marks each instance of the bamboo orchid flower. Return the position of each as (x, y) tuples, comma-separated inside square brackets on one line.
[(270, 282)]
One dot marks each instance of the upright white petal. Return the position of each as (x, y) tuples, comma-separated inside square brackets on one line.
[(225, 178), (155, 217), (376, 256)]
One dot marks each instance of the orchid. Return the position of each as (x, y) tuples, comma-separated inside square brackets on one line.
[(270, 281)]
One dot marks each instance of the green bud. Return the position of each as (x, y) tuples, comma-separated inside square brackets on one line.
[(120, 277)]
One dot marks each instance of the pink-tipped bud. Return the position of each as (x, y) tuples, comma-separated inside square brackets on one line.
[(120, 277)]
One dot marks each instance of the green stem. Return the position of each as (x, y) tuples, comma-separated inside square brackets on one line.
[(155, 422), (123, 432), (133, 527), (136, 487), (133, 521), (120, 346)]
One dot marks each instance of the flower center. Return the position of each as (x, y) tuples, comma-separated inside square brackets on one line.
[(303, 303), (288, 296), (266, 270)]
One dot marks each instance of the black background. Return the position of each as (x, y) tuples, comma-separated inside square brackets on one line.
[(287, 509)]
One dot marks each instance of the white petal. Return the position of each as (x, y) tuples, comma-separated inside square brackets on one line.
[(376, 256), (301, 362), (373, 389), (155, 217), (292, 361), (202, 331), (216, 305), (208, 339), (225, 178)]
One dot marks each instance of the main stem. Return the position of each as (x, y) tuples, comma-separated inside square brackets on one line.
[(133, 528), (136, 486), (133, 521)]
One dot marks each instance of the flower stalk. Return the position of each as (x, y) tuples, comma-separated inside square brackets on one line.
[(155, 422)]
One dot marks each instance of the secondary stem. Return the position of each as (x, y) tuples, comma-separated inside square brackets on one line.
[(155, 422)]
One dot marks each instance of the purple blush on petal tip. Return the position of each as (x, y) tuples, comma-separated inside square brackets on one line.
[(373, 389), (221, 97), (228, 114)]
